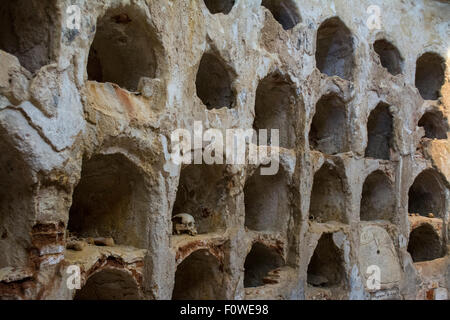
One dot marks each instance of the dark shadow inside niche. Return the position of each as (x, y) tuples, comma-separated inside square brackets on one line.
[(219, 6), (378, 198), (379, 132), (267, 205), (124, 49), (390, 57), (259, 263), (111, 200), (16, 205), (327, 196), (435, 125), (109, 284), (199, 277), (430, 75), (284, 11), (424, 244), (328, 133), (214, 83), (334, 50), (275, 108), (426, 195), (29, 31), (326, 267), (202, 193)]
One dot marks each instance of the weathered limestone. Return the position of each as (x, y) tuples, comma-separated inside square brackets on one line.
[(86, 114)]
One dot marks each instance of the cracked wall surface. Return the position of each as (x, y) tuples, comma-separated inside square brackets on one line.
[(86, 116)]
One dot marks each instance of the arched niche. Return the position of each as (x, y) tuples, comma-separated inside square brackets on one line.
[(389, 55), (110, 284), (378, 198), (259, 262), (284, 11), (199, 277), (380, 133), (334, 49), (434, 124), (111, 200), (425, 244), (29, 31), (426, 195), (276, 108), (267, 205), (328, 132), (430, 75), (327, 196), (214, 83)]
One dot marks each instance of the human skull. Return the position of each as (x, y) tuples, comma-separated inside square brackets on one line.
[(184, 223)]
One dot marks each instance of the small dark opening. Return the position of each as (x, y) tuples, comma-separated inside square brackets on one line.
[(327, 196), (379, 131), (435, 125), (424, 244), (390, 57), (284, 11), (328, 133), (16, 200), (202, 191), (199, 277), (334, 51), (219, 6), (109, 284), (124, 48), (29, 31), (259, 262), (378, 198), (326, 268), (213, 83), (426, 195), (271, 211), (430, 75)]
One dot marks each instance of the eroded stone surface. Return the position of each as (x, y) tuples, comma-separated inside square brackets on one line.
[(363, 155), (377, 249)]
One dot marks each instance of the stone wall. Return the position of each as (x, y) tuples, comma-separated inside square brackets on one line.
[(359, 90)]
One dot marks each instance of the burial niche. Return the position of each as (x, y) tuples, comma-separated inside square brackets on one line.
[(327, 196), (29, 31), (214, 83), (124, 49), (275, 108), (259, 262), (426, 194), (389, 55), (219, 6), (379, 132), (326, 267), (202, 193), (111, 200), (199, 277), (328, 133), (284, 11), (378, 198), (424, 244), (430, 75), (109, 284), (435, 125), (334, 49), (266, 199)]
